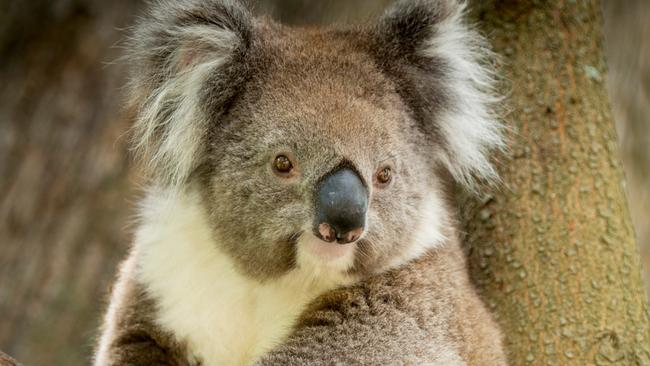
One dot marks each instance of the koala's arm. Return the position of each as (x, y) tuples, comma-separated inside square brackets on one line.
[(129, 335), (426, 313)]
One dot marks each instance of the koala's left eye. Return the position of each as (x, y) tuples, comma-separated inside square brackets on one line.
[(384, 176), (282, 165)]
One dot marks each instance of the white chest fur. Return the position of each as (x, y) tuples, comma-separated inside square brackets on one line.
[(224, 317)]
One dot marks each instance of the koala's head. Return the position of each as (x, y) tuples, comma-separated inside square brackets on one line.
[(314, 147)]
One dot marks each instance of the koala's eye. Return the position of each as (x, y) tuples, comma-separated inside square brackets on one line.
[(384, 176), (282, 165)]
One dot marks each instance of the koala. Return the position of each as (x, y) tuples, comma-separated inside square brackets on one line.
[(298, 206)]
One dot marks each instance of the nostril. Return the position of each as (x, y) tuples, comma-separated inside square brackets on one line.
[(356, 234), (326, 232), (350, 236), (330, 234)]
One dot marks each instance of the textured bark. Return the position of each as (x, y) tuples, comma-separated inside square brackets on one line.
[(553, 252)]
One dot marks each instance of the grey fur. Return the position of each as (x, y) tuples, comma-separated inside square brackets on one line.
[(138, 340), (187, 62), (426, 313), (326, 105), (220, 94)]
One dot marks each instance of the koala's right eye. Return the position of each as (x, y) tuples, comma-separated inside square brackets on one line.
[(282, 165)]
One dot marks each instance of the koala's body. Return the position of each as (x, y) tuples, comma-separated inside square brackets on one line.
[(298, 208)]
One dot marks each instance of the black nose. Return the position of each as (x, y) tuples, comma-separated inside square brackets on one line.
[(341, 205)]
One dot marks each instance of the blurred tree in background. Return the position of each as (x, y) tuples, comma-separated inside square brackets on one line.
[(65, 193), (627, 35), (67, 190)]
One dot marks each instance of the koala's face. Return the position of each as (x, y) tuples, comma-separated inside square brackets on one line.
[(324, 149), (316, 160)]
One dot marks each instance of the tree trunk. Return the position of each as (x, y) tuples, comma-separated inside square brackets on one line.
[(553, 251)]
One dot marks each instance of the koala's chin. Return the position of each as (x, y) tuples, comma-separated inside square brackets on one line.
[(314, 252), (283, 163)]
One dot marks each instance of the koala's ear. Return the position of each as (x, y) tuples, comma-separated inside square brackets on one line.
[(187, 59), (441, 67)]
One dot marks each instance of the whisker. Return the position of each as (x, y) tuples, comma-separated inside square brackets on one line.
[(293, 238)]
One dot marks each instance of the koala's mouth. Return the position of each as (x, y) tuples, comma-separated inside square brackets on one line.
[(314, 252), (327, 250)]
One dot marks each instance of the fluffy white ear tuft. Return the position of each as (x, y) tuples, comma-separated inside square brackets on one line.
[(449, 84), (469, 124), (184, 58)]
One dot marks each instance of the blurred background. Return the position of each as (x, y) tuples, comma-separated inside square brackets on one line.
[(67, 189)]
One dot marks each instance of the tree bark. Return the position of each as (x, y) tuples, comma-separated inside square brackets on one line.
[(553, 251)]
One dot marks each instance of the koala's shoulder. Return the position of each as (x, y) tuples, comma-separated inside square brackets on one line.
[(132, 336), (421, 314)]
